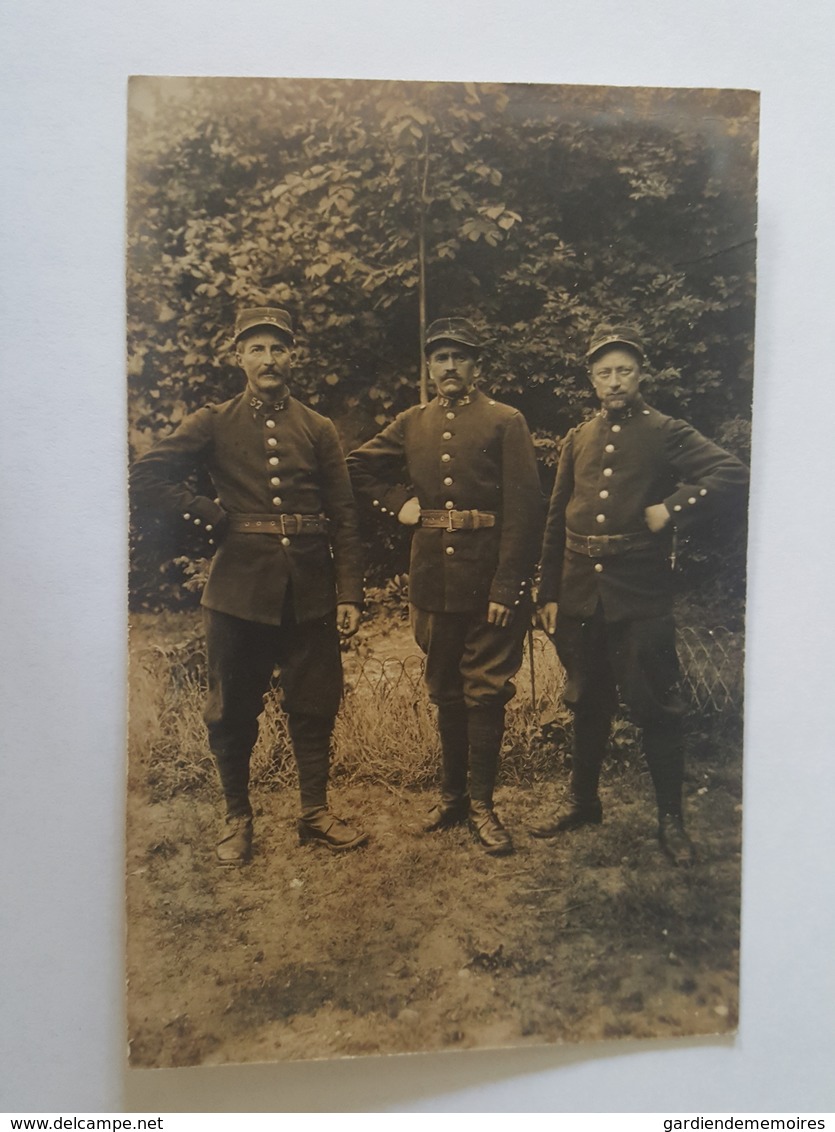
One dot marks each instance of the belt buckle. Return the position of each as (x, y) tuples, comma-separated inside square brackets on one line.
[(595, 546), (281, 524), (450, 513)]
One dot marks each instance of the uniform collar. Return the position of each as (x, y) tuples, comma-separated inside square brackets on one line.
[(445, 402), (624, 414), (259, 406)]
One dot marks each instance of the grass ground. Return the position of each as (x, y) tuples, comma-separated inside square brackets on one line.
[(416, 942)]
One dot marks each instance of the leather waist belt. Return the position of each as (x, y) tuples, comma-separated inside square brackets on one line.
[(602, 546), (458, 520), (279, 524)]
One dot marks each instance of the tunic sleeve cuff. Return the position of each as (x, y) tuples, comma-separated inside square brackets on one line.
[(507, 594), (391, 502), (686, 503), (205, 514), (350, 597)]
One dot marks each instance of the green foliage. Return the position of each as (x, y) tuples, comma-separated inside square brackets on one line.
[(541, 210)]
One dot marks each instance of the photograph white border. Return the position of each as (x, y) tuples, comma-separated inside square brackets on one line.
[(62, 462)]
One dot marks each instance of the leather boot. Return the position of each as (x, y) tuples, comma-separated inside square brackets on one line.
[(664, 752), (324, 827), (455, 802), (578, 814), (235, 844), (488, 830), (591, 733), (233, 772), (485, 729), (311, 738), (675, 844), (663, 742)]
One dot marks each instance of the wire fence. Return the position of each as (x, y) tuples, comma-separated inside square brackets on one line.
[(712, 664), (386, 730), (711, 670)]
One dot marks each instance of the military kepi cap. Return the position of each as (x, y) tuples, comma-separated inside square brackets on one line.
[(607, 334), (254, 317), (452, 330)]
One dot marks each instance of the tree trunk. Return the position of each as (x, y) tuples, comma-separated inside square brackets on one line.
[(424, 376)]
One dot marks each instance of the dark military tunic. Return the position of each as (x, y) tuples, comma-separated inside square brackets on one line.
[(611, 468), (271, 597), (473, 453), (615, 629), (264, 460), (470, 454)]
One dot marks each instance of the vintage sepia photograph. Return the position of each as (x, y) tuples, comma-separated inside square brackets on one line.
[(439, 403)]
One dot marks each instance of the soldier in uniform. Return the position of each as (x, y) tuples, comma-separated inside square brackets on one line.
[(461, 470), (286, 580), (627, 479)]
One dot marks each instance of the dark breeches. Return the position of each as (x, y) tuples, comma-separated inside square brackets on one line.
[(241, 658), (468, 659), (639, 660), (636, 658), (469, 673)]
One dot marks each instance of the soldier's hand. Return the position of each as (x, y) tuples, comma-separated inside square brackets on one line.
[(499, 615), (657, 517), (409, 513), (548, 617), (347, 619)]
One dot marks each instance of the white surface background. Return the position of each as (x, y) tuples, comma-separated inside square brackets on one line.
[(63, 562)]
